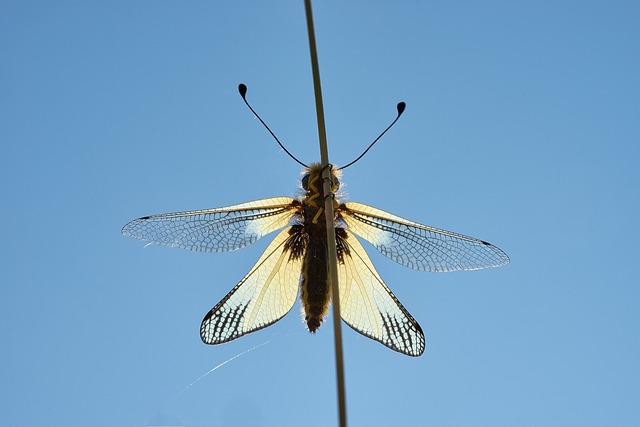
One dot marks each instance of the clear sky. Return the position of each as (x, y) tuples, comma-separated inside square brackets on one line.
[(522, 128)]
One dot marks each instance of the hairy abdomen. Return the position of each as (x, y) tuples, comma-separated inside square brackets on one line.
[(315, 291)]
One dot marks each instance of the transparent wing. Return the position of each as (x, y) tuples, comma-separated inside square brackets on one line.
[(419, 246), (263, 297), (369, 307), (215, 230)]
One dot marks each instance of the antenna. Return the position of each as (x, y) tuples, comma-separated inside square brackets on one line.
[(243, 93), (401, 106)]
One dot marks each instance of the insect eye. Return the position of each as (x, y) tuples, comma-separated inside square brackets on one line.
[(305, 182)]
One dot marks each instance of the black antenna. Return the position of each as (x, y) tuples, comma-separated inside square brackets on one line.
[(243, 93), (401, 106)]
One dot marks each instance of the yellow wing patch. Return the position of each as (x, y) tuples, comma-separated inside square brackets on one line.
[(368, 306), (261, 298)]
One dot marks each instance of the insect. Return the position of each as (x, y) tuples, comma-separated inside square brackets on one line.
[(296, 260)]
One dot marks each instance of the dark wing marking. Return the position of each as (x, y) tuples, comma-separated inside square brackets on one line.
[(215, 230), (369, 307), (419, 246), (263, 297)]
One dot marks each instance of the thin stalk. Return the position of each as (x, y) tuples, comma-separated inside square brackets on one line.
[(328, 208)]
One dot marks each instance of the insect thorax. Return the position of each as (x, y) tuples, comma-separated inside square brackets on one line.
[(314, 197)]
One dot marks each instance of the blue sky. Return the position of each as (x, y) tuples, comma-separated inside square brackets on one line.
[(521, 129)]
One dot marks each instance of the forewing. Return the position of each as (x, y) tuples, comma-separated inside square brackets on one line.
[(419, 246), (215, 230), (369, 307), (263, 297)]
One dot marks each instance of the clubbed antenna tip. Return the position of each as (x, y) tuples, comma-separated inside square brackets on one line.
[(401, 106)]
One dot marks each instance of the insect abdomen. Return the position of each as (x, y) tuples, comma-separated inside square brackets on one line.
[(315, 292)]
